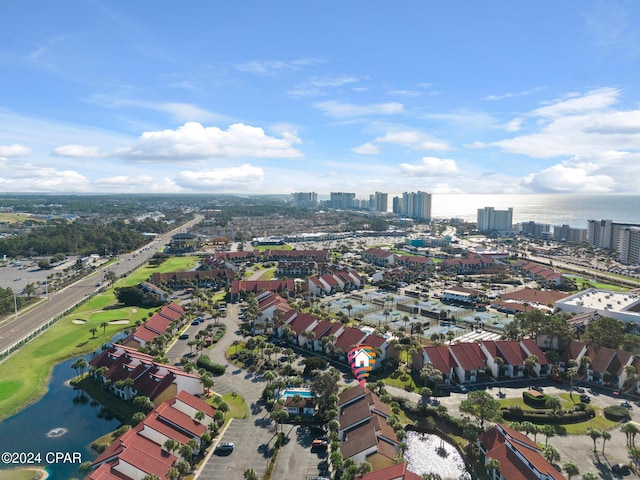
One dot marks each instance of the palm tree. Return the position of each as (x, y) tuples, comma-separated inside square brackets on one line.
[(571, 469), (554, 404), (551, 454), (590, 476), (93, 331), (207, 382), (548, 431), (104, 326), (79, 365), (572, 374), (250, 474), (629, 429), (594, 434)]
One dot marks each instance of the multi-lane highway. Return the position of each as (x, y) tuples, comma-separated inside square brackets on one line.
[(15, 328)]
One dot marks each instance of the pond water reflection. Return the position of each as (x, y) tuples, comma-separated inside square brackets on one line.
[(63, 420), (427, 453)]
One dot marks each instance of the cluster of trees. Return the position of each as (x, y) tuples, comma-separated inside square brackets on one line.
[(136, 296), (81, 238), (7, 304)]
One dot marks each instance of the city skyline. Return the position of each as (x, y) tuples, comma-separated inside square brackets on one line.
[(283, 98)]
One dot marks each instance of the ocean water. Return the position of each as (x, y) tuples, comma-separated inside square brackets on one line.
[(553, 209)]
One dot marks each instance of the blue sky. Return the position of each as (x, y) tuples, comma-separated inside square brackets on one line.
[(285, 96)]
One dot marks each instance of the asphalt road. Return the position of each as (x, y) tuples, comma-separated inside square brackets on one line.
[(12, 329)]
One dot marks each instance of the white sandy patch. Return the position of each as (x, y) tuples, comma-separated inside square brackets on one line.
[(78, 321), (124, 321)]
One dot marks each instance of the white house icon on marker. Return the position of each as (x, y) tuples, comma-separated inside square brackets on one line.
[(362, 358)]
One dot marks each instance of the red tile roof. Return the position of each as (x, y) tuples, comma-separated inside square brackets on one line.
[(441, 358), (469, 355), (396, 471), (350, 337)]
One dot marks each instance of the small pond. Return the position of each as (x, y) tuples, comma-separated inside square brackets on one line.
[(428, 453), (63, 420)]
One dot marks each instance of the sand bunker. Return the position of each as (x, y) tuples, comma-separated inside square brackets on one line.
[(78, 321), (122, 321)]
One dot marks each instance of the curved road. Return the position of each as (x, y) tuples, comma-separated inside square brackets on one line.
[(13, 329)]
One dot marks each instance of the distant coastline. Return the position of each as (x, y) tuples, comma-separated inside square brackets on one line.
[(554, 209)]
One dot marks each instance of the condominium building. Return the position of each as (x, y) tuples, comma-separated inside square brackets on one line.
[(629, 245), (305, 199), (342, 200), (414, 205), (490, 220), (599, 233), (620, 237), (565, 233), (378, 202), (535, 230)]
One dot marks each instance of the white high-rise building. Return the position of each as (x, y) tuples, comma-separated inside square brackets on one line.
[(490, 220), (305, 199), (378, 202), (599, 233), (414, 205)]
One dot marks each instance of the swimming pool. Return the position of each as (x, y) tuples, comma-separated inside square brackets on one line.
[(303, 392)]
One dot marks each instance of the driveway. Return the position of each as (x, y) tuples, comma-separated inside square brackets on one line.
[(296, 459)]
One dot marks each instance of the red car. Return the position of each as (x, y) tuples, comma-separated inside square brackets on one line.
[(616, 393)]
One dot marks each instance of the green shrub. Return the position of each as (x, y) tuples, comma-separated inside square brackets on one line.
[(544, 417), (535, 401), (206, 363), (616, 413)]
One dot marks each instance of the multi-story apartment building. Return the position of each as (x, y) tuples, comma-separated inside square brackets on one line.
[(413, 205), (305, 199), (565, 233), (620, 237), (490, 220), (629, 245), (378, 202), (535, 230), (342, 200)]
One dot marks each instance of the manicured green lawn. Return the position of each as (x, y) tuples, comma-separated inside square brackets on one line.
[(25, 374), (268, 274), (262, 248), (237, 406), (599, 421)]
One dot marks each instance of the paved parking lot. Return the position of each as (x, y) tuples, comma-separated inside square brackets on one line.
[(297, 460), (253, 448)]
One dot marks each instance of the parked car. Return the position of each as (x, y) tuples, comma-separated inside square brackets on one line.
[(226, 447), (536, 388), (184, 336), (626, 404), (319, 443), (585, 398), (616, 393), (462, 389)]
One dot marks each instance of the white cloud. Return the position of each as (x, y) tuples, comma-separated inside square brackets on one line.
[(180, 111), (271, 67), (223, 179), (578, 126), (513, 125), (345, 110), (430, 167), (595, 100), (571, 178), (78, 151), (28, 177), (16, 150), (317, 86), (193, 141), (366, 149), (413, 139)]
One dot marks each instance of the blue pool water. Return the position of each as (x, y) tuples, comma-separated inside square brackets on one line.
[(302, 393)]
